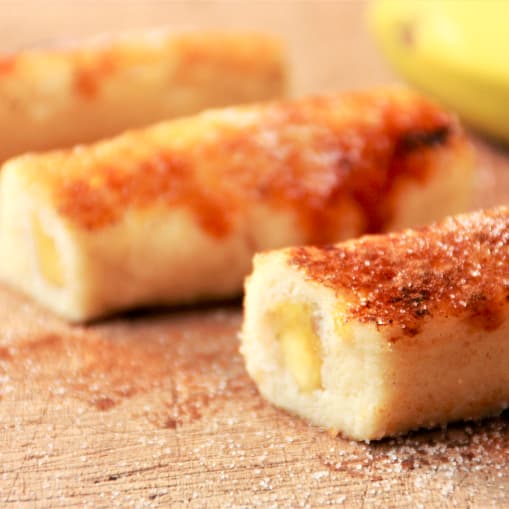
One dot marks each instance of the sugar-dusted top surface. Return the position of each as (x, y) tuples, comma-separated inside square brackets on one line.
[(184, 56), (319, 157), (459, 267)]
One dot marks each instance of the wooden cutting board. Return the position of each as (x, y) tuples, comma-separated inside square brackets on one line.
[(155, 409)]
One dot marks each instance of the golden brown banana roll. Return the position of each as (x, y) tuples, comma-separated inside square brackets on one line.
[(386, 333), (174, 213), (56, 98)]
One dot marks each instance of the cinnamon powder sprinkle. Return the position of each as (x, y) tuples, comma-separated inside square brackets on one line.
[(313, 157), (7, 64), (89, 75), (459, 267)]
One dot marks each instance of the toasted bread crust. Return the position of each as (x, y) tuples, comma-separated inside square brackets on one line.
[(458, 267), (318, 156)]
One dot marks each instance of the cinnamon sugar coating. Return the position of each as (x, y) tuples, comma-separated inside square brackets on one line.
[(95, 61), (315, 157), (7, 64), (249, 53), (458, 267)]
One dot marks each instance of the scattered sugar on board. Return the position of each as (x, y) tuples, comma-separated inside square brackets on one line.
[(202, 429)]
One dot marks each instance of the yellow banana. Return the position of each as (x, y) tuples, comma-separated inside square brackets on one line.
[(456, 50)]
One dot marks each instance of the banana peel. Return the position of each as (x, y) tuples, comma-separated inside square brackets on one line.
[(455, 50)]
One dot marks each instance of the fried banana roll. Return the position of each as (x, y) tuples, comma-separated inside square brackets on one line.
[(56, 98), (387, 333), (174, 213)]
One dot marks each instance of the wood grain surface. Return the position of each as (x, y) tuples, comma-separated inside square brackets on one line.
[(155, 409)]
